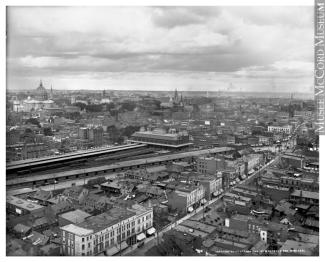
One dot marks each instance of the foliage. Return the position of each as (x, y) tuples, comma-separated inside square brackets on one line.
[(33, 121), (47, 131)]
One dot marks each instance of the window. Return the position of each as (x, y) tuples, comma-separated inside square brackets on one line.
[(83, 247), (88, 245), (83, 239)]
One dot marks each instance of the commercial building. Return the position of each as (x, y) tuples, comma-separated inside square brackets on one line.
[(280, 129), (210, 165), (186, 197), (20, 206), (304, 197), (162, 139), (211, 184), (293, 160), (94, 135), (266, 230), (21, 151), (306, 184), (109, 231), (72, 217)]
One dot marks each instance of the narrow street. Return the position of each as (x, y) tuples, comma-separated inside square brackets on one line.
[(152, 241)]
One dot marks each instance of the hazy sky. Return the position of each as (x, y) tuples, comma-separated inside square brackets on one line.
[(161, 48)]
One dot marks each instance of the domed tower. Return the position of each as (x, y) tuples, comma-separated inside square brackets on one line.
[(41, 91)]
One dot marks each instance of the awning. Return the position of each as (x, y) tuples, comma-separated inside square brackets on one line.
[(151, 231), (190, 209), (141, 237), (203, 201)]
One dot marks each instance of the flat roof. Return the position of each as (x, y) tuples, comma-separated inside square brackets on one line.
[(218, 240), (22, 203), (199, 226), (291, 247), (44, 160), (156, 134), (240, 190), (121, 164), (195, 232), (306, 194), (107, 219), (241, 217), (160, 144), (75, 216), (21, 191), (77, 230)]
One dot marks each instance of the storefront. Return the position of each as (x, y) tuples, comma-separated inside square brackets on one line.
[(141, 237), (151, 231)]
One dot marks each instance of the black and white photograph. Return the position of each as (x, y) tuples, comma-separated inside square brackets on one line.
[(163, 130)]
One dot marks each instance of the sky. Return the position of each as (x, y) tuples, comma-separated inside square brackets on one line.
[(254, 49)]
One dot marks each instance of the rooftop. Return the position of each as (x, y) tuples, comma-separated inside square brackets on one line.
[(77, 230), (22, 203), (158, 135), (107, 219), (291, 247), (305, 194), (75, 216), (242, 218)]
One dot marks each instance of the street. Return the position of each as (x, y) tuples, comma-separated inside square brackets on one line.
[(152, 241)]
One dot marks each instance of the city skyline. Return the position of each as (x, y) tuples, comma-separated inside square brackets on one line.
[(164, 48)]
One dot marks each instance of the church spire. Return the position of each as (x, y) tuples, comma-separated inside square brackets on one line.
[(176, 96)]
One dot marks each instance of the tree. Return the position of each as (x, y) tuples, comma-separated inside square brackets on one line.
[(127, 106), (94, 108), (33, 121), (82, 106), (47, 131)]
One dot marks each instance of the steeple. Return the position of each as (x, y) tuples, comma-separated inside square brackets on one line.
[(176, 96)]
